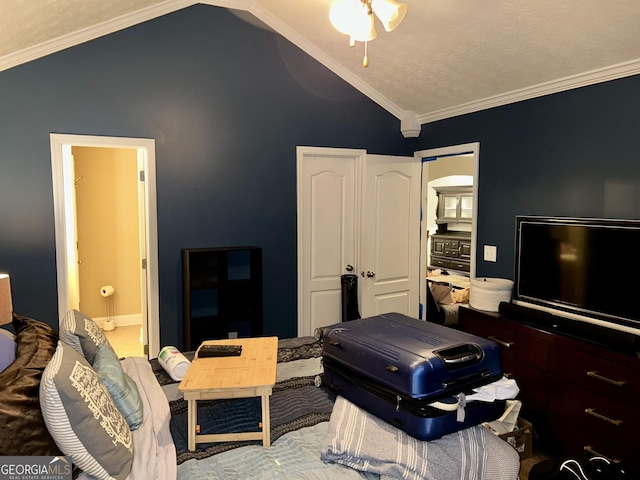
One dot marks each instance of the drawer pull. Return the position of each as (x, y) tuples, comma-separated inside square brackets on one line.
[(589, 449), (594, 374), (501, 342), (593, 413)]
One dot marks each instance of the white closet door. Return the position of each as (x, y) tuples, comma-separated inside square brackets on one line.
[(327, 232), (390, 236)]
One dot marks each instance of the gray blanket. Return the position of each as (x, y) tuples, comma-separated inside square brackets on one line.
[(362, 441)]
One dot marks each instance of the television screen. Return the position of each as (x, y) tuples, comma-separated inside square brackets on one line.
[(586, 267)]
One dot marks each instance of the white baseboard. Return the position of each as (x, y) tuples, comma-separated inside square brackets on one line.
[(121, 320)]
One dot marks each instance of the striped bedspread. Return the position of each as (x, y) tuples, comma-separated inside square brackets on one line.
[(361, 441)]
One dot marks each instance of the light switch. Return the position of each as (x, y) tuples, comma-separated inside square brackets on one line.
[(490, 253)]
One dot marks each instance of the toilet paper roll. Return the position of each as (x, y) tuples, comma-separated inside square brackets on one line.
[(174, 362), (106, 291)]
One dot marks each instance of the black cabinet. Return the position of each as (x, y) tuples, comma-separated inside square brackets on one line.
[(451, 251), (222, 293)]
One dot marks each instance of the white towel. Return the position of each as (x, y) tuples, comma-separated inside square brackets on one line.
[(503, 389)]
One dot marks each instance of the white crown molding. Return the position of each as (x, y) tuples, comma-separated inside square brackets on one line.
[(613, 72), (575, 81), (169, 6), (91, 33)]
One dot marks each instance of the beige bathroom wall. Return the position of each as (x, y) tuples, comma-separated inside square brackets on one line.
[(107, 225)]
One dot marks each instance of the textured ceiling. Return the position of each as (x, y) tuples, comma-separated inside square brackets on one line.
[(448, 57)]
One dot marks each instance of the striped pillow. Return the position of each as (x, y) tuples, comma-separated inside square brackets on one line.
[(83, 334), (82, 417)]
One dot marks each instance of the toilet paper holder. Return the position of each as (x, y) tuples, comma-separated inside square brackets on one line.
[(107, 291)]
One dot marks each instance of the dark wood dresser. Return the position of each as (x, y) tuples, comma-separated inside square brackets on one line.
[(579, 395)]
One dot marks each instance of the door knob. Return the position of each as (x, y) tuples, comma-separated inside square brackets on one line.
[(349, 268), (371, 274)]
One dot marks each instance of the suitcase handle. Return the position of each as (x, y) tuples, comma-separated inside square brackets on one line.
[(460, 356), (447, 407)]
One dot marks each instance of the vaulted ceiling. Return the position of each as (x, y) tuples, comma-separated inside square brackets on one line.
[(447, 58)]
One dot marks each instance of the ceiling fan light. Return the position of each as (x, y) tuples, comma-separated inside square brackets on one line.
[(390, 12), (351, 17), (364, 28), (341, 15)]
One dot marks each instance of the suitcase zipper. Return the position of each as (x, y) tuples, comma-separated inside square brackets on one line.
[(413, 406)]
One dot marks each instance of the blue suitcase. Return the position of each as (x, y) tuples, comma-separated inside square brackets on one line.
[(410, 373)]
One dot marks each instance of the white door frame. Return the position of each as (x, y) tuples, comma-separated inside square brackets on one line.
[(465, 148), (65, 230)]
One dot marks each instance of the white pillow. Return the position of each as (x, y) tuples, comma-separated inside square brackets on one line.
[(82, 417)]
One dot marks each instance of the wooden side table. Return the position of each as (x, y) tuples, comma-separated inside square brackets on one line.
[(251, 374)]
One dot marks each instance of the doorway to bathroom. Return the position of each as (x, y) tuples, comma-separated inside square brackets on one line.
[(106, 236)]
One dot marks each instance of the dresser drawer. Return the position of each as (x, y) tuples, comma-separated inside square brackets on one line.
[(440, 262), (534, 392), (613, 380), (523, 357), (582, 419), (459, 265), (517, 344), (448, 251)]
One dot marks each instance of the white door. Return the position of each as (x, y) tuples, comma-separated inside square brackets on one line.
[(390, 241), (327, 235), (332, 208)]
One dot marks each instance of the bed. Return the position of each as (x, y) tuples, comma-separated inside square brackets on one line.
[(315, 434), (445, 295)]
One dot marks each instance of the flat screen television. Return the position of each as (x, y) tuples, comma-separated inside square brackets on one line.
[(580, 268)]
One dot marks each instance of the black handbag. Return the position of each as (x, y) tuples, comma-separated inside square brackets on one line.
[(585, 467)]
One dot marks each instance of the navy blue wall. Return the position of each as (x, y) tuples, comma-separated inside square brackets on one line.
[(227, 104), (569, 154)]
